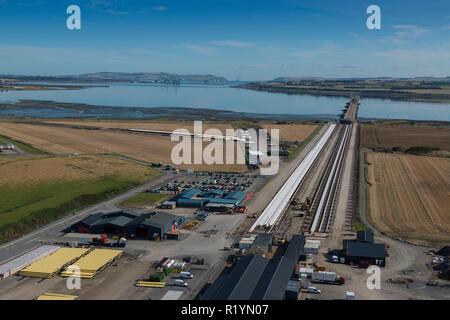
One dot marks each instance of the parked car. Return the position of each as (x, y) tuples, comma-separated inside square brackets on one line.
[(314, 290), (180, 283), (186, 275)]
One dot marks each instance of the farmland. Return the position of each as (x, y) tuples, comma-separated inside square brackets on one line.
[(149, 148), (37, 190), (408, 196), (291, 132), (386, 136), (408, 89)]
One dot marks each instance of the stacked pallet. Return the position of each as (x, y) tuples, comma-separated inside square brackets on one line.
[(92, 263), (17, 264), (150, 284), (56, 296), (52, 264)]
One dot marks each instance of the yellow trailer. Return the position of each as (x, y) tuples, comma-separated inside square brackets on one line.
[(56, 296), (150, 284)]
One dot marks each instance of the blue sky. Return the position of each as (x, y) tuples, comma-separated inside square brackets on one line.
[(240, 40)]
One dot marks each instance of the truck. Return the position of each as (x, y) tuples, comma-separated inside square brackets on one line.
[(103, 242), (329, 278)]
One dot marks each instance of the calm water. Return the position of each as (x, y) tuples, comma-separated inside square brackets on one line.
[(223, 97)]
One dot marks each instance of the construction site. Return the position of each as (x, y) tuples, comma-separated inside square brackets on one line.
[(225, 235)]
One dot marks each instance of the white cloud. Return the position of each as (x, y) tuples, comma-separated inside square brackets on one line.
[(405, 33), (200, 49), (439, 53), (117, 13), (159, 8), (231, 43), (410, 30)]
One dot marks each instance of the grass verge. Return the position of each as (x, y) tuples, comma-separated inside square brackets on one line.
[(142, 200), (293, 154)]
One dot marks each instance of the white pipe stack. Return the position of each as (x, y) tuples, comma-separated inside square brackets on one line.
[(275, 209)]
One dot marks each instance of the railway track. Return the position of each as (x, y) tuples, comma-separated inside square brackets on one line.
[(272, 214), (324, 201)]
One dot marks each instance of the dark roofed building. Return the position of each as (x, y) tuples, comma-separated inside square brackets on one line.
[(295, 248), (214, 287), (373, 253), (444, 252), (130, 224), (262, 244), (243, 279), (363, 249), (257, 278), (161, 223), (274, 280), (292, 290), (85, 225), (364, 236)]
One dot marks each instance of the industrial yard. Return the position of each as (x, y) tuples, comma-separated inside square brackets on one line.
[(225, 235), (239, 159)]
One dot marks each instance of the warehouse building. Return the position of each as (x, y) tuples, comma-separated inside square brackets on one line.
[(129, 224), (258, 278), (240, 283), (364, 250), (214, 200), (158, 225)]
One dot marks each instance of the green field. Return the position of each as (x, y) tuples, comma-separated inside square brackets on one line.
[(142, 200), (27, 204)]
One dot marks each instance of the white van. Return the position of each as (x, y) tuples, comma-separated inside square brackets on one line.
[(180, 283), (314, 290), (186, 275)]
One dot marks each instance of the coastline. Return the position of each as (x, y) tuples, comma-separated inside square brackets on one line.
[(394, 95)]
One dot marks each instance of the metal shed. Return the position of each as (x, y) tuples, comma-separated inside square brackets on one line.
[(262, 244), (374, 253), (161, 223)]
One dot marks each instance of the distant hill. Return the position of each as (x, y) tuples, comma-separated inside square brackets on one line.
[(149, 76), (121, 76), (301, 79), (289, 79)]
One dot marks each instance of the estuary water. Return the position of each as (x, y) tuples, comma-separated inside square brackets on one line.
[(224, 97)]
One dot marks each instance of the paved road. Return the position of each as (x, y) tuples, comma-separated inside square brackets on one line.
[(51, 231), (18, 151)]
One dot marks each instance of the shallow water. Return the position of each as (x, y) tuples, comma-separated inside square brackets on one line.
[(223, 97)]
